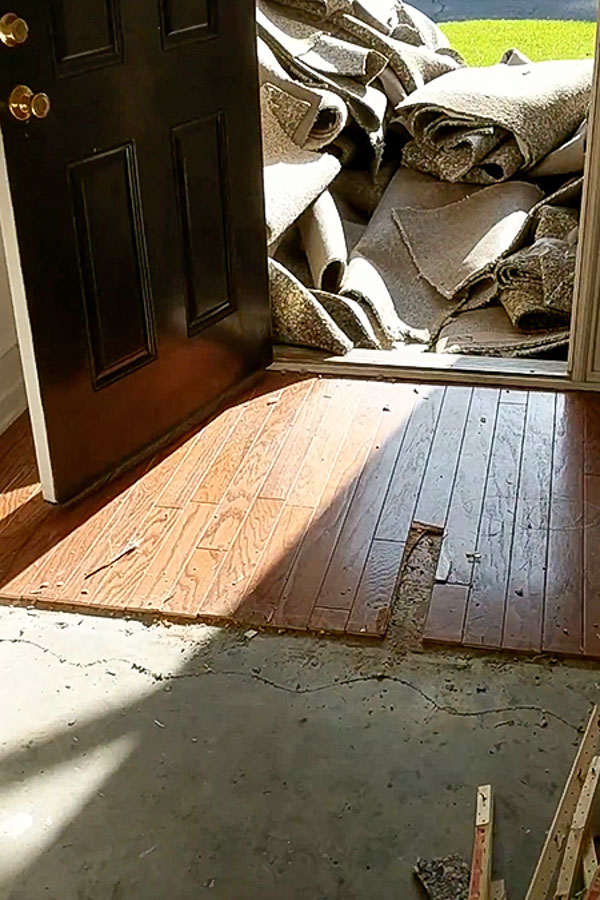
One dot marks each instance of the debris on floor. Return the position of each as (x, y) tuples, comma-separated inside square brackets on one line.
[(450, 877), (446, 878), (411, 198)]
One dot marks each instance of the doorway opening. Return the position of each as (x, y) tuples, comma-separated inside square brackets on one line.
[(447, 240)]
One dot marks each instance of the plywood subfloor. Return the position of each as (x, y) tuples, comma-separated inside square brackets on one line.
[(292, 507)]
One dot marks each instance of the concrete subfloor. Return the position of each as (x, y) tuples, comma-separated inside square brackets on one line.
[(148, 762), (459, 10)]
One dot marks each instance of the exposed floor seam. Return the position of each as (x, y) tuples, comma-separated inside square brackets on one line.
[(253, 676)]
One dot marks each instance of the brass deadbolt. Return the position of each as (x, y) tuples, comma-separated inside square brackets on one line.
[(23, 103), (13, 30)]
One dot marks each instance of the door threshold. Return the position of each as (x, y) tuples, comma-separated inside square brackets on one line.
[(413, 364)]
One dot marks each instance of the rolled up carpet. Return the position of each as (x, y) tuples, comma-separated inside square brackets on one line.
[(324, 243), (536, 285), (568, 159), (483, 125), (293, 177), (311, 117), (298, 318)]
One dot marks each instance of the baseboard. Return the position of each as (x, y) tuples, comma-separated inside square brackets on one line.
[(12, 388)]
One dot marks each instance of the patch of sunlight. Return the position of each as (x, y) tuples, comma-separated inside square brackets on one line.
[(35, 811), (81, 652), (483, 41)]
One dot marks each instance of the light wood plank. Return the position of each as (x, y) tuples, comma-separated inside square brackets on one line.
[(554, 843), (246, 486), (231, 580), (446, 615), (581, 818), (563, 619), (446, 450), (462, 522), (527, 577), (301, 591), (118, 582), (481, 864), (354, 542), (237, 431), (485, 610), (314, 472), (157, 585), (399, 507), (589, 858), (267, 584), (372, 608), (126, 525), (193, 583), (289, 462)]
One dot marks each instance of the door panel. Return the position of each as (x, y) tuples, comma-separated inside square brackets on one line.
[(113, 260), (85, 35), (187, 20), (203, 186), (139, 213)]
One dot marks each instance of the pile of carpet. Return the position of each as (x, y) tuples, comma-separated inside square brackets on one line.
[(409, 197)]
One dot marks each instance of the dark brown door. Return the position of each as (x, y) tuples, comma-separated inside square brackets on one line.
[(139, 221)]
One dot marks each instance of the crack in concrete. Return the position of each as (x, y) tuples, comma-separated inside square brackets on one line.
[(254, 676)]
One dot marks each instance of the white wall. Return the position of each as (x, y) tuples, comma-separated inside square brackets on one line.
[(12, 389)]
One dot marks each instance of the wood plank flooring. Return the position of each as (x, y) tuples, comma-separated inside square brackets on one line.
[(291, 508)]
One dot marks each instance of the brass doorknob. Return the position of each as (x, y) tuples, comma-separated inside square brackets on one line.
[(23, 103), (13, 30)]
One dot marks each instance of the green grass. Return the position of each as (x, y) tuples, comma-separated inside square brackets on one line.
[(482, 42)]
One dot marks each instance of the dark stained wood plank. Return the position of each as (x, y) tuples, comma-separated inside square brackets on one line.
[(462, 522), (446, 449), (372, 608), (246, 486), (591, 596), (527, 578), (238, 429), (231, 580), (592, 434), (314, 472), (266, 585), (291, 457), (354, 542), (301, 591), (485, 611), (398, 511), (563, 608), (446, 613), (330, 620)]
